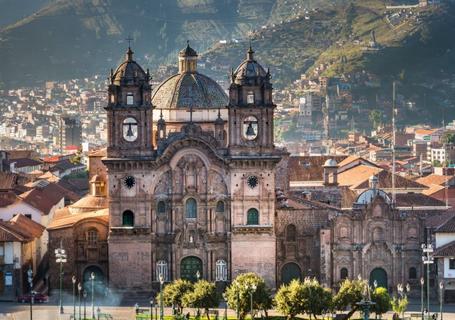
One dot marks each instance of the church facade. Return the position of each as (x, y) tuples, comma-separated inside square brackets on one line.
[(191, 193)]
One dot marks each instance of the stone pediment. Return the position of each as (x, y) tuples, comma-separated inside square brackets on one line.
[(191, 135)]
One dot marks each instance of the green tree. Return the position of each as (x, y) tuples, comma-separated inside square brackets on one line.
[(174, 292), (381, 298), (316, 299), (203, 296), (375, 118), (238, 294), (351, 292), (449, 137), (399, 305), (289, 299)]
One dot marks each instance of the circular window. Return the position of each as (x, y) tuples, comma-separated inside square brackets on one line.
[(129, 182), (252, 181)]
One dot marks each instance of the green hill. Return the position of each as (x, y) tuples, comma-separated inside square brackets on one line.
[(415, 49), (77, 38)]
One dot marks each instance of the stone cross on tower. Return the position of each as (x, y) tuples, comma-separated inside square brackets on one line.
[(129, 39)]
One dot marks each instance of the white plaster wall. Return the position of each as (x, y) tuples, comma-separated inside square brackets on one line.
[(444, 238), (448, 273), (6, 213)]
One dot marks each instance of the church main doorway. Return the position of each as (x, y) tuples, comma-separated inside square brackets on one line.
[(380, 276), (98, 283), (189, 268), (289, 272)]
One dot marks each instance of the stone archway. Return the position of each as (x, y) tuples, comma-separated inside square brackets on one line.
[(289, 272), (99, 283), (380, 276), (189, 268)]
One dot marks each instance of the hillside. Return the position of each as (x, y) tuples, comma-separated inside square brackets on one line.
[(416, 49), (76, 38)]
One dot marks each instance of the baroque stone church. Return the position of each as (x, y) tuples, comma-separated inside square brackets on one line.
[(191, 175), (191, 184)]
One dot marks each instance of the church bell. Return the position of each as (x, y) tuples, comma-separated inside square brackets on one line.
[(250, 130)]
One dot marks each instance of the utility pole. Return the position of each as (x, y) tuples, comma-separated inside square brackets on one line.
[(393, 144)]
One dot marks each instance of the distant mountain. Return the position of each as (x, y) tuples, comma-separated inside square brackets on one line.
[(14, 10), (414, 48), (76, 38)]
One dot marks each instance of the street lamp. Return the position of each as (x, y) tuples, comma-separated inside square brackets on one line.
[(92, 278), (198, 275), (251, 290), (60, 257), (225, 305), (30, 282), (237, 307), (161, 296), (441, 297), (422, 282), (427, 259), (85, 304), (73, 280), (151, 309), (79, 288)]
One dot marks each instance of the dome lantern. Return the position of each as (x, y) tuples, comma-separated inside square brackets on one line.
[(187, 59)]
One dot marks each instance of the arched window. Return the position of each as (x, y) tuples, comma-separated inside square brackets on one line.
[(221, 270), (412, 273), (161, 207), (128, 218), (291, 233), (161, 269), (343, 273), (92, 237), (252, 217), (220, 206), (191, 208)]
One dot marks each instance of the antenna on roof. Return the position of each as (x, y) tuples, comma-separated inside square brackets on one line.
[(393, 144)]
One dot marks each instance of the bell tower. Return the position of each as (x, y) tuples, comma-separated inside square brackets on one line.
[(129, 111), (253, 159), (250, 108)]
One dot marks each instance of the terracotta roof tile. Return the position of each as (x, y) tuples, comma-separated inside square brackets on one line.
[(308, 168), (65, 221), (98, 153), (434, 179), (417, 200), (28, 225), (447, 227), (7, 198), (385, 181), (447, 250), (43, 197), (357, 175)]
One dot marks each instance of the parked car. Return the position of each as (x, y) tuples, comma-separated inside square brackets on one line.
[(37, 298)]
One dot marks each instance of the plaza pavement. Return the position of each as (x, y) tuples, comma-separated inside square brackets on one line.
[(19, 311)]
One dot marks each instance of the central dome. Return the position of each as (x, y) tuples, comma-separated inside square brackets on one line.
[(188, 88)]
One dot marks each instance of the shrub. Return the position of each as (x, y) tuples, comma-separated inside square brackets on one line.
[(173, 293)]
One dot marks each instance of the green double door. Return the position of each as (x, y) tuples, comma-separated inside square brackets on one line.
[(189, 268), (380, 276)]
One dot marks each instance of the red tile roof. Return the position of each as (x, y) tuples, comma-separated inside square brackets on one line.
[(308, 168), (20, 229), (447, 250), (43, 197)]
